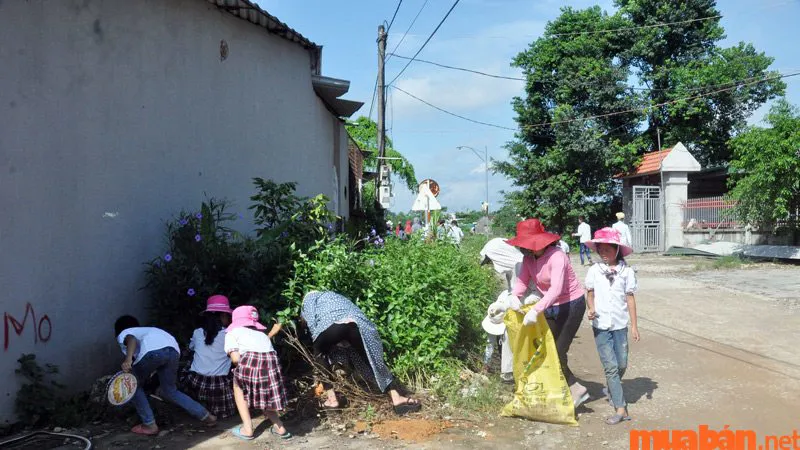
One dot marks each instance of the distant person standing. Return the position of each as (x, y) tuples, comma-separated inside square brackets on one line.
[(584, 235), (624, 230), (455, 233), (441, 230), (416, 225)]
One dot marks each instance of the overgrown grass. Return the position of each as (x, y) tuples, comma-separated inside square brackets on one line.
[(729, 262), (465, 392)]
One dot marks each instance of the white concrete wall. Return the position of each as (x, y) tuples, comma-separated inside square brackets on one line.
[(696, 237), (675, 190), (123, 106)]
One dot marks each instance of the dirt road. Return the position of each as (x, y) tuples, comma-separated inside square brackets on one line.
[(718, 348)]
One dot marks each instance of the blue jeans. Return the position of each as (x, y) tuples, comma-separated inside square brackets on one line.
[(584, 250), (165, 361), (612, 346)]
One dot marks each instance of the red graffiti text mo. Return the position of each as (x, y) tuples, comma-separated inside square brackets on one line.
[(42, 329)]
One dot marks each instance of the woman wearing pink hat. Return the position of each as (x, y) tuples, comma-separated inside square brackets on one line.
[(611, 285), (562, 302), (209, 380)]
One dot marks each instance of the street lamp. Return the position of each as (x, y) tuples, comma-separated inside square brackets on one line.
[(485, 159)]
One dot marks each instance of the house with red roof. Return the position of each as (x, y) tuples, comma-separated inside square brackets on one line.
[(653, 197)]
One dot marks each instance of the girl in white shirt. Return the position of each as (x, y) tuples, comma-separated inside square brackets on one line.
[(209, 380), (611, 285), (257, 378)]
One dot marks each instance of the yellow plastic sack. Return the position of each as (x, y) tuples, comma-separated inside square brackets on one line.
[(541, 392)]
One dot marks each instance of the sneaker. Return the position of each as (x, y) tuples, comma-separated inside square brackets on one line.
[(579, 394)]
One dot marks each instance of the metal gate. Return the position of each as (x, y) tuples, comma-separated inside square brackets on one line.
[(646, 224)]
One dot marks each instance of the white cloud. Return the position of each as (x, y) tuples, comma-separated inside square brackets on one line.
[(481, 168), (489, 50)]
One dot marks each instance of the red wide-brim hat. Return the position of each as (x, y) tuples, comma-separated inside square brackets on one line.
[(531, 235)]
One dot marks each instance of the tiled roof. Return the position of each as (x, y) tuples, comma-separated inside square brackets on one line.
[(651, 163)]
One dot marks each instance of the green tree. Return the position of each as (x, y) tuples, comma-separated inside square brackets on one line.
[(365, 132), (504, 222), (683, 60), (581, 122), (766, 168)]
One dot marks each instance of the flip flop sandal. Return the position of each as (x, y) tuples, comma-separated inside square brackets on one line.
[(617, 418), (237, 431), (140, 429), (285, 435), (407, 407)]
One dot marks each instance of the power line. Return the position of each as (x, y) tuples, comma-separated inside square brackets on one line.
[(633, 110), (407, 30), (425, 43), (391, 113), (394, 15), (458, 68), (655, 25), (374, 93), (574, 84), (453, 114), (657, 105)]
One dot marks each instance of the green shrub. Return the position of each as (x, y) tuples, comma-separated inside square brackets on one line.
[(205, 256), (427, 299)]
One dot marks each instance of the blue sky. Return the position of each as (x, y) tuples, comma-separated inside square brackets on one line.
[(482, 35)]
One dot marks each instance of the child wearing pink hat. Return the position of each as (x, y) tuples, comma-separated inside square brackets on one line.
[(209, 380), (257, 378), (611, 285)]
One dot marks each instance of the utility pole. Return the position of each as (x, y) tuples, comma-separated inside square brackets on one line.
[(381, 95), (486, 160), (381, 110)]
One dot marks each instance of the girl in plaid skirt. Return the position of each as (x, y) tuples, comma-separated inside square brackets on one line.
[(257, 379), (209, 380)]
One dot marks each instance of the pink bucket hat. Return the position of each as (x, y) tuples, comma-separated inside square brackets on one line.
[(245, 316), (609, 236), (218, 303)]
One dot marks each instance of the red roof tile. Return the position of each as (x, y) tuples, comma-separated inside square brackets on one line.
[(651, 163)]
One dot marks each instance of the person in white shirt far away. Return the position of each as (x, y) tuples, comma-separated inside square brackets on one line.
[(584, 235), (624, 230), (455, 233)]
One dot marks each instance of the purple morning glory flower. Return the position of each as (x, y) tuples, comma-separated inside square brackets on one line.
[(190, 292), (330, 227), (167, 257), (183, 222), (284, 234), (199, 215), (197, 238), (372, 232)]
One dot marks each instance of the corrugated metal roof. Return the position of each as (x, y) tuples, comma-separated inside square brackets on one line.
[(247, 10)]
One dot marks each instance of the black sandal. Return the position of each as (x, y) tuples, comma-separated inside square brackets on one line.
[(409, 406)]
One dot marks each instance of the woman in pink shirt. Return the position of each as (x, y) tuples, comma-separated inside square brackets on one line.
[(562, 302)]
